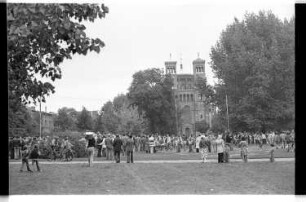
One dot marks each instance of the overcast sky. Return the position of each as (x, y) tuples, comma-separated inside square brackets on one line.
[(142, 35)]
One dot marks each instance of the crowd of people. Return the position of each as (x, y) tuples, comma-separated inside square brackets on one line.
[(111, 146)]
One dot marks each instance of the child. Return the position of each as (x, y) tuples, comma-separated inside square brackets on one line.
[(34, 156), (25, 156), (272, 153), (244, 150)]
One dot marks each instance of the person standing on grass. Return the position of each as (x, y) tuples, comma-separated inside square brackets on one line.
[(99, 145), (244, 149), (271, 152), (109, 147), (130, 144), (203, 148), (226, 154), (34, 155), (197, 141), (16, 145), (91, 143), (117, 145), (25, 154), (220, 148)]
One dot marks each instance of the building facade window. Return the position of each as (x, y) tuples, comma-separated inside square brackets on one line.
[(181, 98)]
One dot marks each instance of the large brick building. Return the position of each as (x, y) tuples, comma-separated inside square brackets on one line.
[(189, 103)]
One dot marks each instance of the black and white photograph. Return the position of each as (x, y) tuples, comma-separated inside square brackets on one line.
[(159, 98)]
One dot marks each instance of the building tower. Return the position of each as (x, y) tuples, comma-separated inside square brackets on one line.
[(199, 67), (170, 67)]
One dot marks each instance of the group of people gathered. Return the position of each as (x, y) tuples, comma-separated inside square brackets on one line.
[(26, 148), (111, 146), (107, 145)]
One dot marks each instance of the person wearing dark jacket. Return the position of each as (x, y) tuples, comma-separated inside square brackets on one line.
[(90, 149), (34, 155), (117, 144), (129, 146), (99, 145)]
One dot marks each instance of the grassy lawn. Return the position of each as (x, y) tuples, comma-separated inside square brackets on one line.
[(141, 179)]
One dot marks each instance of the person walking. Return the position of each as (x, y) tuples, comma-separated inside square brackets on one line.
[(244, 149), (220, 148), (117, 145), (130, 145), (91, 143)]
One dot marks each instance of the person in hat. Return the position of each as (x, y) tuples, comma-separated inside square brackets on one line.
[(130, 144), (91, 143), (117, 145)]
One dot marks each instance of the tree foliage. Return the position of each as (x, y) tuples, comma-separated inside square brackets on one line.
[(84, 120), (40, 37), (151, 91), (66, 119), (205, 90), (254, 62)]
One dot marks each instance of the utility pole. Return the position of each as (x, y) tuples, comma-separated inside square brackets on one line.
[(227, 112), (40, 117)]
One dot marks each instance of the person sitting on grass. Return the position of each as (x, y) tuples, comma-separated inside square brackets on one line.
[(244, 149), (34, 155), (271, 152), (25, 158)]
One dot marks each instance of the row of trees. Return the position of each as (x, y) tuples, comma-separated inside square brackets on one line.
[(254, 63), (115, 116)]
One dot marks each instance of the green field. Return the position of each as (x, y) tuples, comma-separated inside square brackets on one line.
[(161, 178)]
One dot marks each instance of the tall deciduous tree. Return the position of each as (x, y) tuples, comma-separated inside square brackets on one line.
[(110, 121), (85, 121), (66, 119), (40, 37), (151, 92), (254, 62), (130, 120)]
